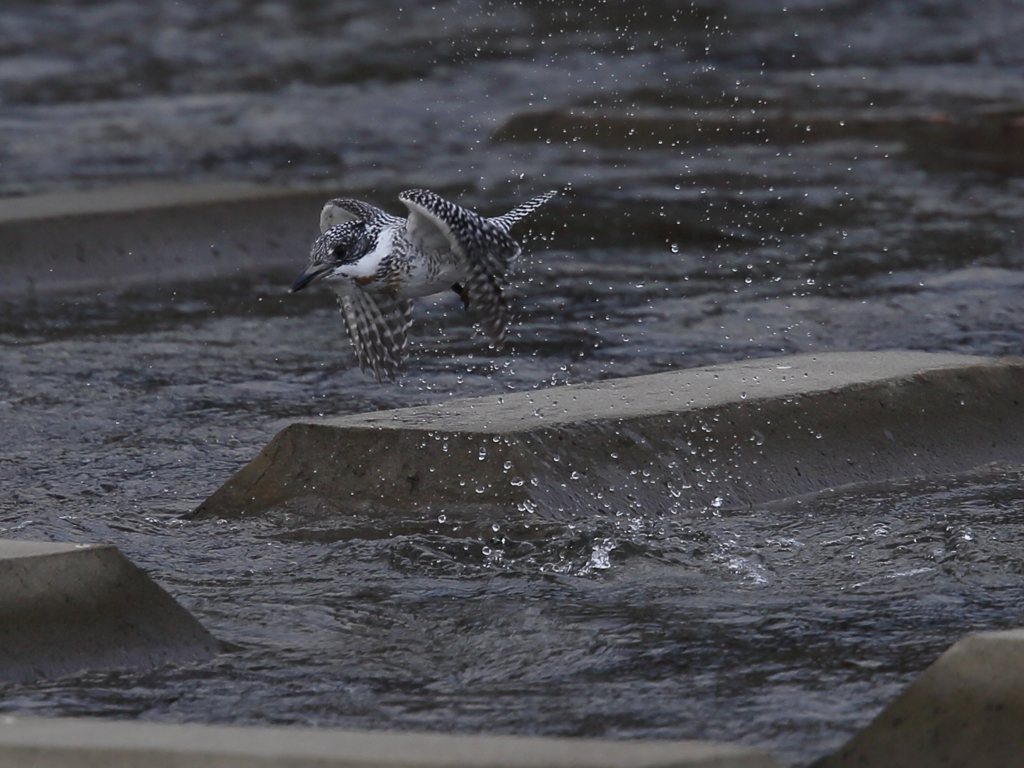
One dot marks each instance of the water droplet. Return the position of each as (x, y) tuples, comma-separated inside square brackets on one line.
[(599, 556)]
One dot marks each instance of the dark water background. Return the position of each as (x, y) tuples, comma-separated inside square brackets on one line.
[(785, 627)]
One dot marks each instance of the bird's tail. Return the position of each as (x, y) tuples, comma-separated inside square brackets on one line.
[(520, 211)]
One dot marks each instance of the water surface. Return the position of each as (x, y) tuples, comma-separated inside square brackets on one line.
[(787, 626)]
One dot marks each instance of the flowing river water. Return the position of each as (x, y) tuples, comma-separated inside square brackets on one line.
[(743, 179)]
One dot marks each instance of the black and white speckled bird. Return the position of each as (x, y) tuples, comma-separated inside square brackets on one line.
[(378, 264)]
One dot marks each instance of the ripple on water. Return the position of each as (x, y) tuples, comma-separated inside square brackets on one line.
[(785, 626), (631, 626)]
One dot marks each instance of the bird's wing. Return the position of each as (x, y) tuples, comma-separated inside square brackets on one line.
[(487, 249), (378, 326), (425, 230), (344, 209), (522, 210)]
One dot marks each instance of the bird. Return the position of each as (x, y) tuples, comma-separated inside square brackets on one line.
[(378, 264)]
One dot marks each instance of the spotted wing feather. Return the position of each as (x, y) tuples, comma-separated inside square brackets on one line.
[(378, 327), (506, 221), (487, 249)]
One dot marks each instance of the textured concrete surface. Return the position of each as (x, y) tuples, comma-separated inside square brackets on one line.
[(728, 435), (965, 711), (69, 607), (111, 238), (78, 742)]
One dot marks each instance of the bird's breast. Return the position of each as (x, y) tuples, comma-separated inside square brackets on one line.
[(397, 267), (429, 273)]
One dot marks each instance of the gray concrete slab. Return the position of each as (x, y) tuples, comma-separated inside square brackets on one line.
[(79, 742), (728, 435), (966, 709), (65, 608), (113, 238)]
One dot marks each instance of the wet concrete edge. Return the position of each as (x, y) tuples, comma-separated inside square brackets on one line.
[(110, 239), (64, 742), (65, 608), (731, 435)]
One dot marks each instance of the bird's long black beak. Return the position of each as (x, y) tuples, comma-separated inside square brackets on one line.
[(308, 276)]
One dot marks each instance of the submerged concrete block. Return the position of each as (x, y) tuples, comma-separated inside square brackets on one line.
[(143, 233), (990, 138), (727, 435), (656, 129), (965, 711), (67, 742), (65, 608)]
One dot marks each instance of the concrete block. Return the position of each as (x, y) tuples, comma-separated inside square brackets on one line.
[(725, 436), (990, 137), (143, 233), (715, 127), (965, 711), (65, 608), (76, 742)]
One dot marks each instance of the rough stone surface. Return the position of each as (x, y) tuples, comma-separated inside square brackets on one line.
[(51, 743), (112, 238), (965, 711), (728, 435), (65, 608)]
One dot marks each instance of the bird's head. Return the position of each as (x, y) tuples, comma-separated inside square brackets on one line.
[(340, 245)]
